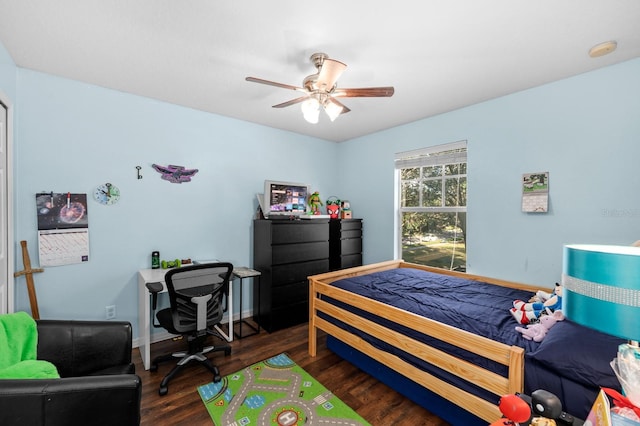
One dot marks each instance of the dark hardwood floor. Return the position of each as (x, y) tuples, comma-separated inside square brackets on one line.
[(374, 401)]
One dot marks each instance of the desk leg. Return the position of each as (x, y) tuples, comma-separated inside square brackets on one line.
[(259, 302), (229, 336), (239, 335), (240, 321), (240, 317)]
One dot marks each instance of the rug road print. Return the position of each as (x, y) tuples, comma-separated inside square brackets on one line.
[(275, 392)]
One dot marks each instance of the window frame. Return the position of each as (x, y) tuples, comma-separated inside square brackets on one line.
[(437, 155)]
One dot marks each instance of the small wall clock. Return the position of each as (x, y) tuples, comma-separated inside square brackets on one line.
[(107, 194)]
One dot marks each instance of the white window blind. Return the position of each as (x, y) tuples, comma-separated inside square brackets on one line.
[(450, 153)]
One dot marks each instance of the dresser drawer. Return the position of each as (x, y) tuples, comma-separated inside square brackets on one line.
[(299, 232), (351, 246), (352, 233), (291, 253), (288, 316), (289, 294), (347, 225), (288, 273), (351, 260)]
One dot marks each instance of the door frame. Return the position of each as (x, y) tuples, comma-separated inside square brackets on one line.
[(4, 99)]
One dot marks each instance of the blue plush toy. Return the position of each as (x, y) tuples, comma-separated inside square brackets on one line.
[(528, 312)]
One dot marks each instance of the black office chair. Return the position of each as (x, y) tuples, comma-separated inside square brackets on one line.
[(196, 296)]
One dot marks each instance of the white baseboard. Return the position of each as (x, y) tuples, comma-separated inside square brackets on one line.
[(155, 337)]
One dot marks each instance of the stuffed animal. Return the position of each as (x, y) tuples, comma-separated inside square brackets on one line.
[(536, 332), (528, 312), (541, 296), (525, 317), (529, 316), (552, 301)]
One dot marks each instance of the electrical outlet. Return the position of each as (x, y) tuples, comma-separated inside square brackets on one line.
[(110, 311)]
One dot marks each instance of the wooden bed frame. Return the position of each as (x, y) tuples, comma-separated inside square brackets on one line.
[(510, 356)]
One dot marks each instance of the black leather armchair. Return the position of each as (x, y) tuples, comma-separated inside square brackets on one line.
[(97, 385)]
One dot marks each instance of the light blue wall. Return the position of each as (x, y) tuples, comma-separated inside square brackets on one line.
[(74, 136), (71, 136), (585, 131)]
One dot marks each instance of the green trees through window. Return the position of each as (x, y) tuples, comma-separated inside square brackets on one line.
[(432, 206)]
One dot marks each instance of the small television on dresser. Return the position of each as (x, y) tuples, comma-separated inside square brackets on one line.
[(284, 199)]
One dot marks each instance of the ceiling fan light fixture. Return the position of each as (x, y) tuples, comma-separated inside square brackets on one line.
[(332, 109), (321, 90), (311, 110)]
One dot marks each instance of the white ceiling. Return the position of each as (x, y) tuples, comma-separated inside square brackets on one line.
[(439, 55)]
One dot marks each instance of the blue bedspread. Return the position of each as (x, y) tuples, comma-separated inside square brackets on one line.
[(474, 306), (483, 309)]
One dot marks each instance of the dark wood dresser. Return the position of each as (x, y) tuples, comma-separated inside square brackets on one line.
[(286, 252), (345, 243)]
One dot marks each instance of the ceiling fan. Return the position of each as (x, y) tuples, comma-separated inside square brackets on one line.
[(320, 90)]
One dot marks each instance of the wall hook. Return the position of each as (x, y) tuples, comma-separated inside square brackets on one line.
[(138, 168)]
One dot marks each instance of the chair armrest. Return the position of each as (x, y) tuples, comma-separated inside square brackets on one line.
[(155, 287), (96, 400), (79, 348)]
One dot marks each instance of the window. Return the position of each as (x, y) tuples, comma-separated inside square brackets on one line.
[(432, 205)]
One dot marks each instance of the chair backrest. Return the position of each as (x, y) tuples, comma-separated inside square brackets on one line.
[(196, 292)]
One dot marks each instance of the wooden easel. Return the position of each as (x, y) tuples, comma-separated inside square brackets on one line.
[(28, 273)]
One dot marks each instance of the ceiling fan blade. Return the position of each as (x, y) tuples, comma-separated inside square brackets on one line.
[(273, 83), (364, 92), (329, 73), (291, 102)]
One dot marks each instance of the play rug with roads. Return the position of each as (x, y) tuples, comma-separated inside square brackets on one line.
[(274, 392)]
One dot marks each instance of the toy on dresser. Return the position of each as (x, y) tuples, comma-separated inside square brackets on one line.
[(345, 209), (315, 203)]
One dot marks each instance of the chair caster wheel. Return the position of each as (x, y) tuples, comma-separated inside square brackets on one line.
[(227, 352), (163, 390), (217, 378), (153, 368)]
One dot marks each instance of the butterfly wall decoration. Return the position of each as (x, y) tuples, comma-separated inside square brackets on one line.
[(175, 174)]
